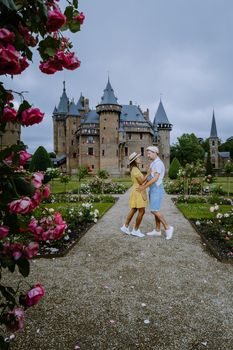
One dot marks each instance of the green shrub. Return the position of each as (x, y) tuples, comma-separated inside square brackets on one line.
[(174, 169), (40, 160)]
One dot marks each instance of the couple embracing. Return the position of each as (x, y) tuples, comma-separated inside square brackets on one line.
[(138, 198)]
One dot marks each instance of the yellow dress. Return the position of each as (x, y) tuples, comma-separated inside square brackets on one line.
[(137, 199)]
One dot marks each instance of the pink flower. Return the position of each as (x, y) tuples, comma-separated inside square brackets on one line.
[(34, 295), (31, 250), (23, 157), (31, 116), (16, 250), (4, 231), (36, 199), (15, 319), (38, 177), (10, 60), (59, 231), (32, 225), (55, 20), (46, 191), (50, 66), (21, 206), (6, 35), (80, 17), (68, 60), (9, 114), (58, 218)]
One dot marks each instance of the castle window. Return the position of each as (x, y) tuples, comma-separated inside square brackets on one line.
[(74, 155), (130, 136), (141, 135), (72, 142), (103, 152), (142, 151), (104, 128), (142, 166), (90, 151), (126, 151), (93, 167), (213, 143), (102, 139), (90, 139)]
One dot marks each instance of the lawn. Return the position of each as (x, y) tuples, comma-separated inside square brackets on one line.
[(102, 207), (223, 181), (197, 211)]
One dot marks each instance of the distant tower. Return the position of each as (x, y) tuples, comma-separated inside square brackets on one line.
[(109, 121), (163, 127), (213, 141), (59, 123)]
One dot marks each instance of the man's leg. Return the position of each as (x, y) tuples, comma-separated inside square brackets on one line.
[(157, 224), (158, 215)]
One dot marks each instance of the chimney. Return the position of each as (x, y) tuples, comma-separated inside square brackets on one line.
[(130, 103), (146, 114)]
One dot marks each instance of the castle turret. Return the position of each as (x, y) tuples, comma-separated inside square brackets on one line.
[(109, 121), (59, 123), (163, 127), (213, 142)]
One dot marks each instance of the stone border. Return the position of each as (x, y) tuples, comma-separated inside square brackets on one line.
[(206, 241), (66, 251)]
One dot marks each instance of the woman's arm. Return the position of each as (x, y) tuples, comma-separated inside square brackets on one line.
[(149, 183)]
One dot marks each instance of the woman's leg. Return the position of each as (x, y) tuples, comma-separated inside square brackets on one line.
[(157, 224), (141, 212), (130, 216)]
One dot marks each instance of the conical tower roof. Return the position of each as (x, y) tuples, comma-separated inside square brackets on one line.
[(213, 131), (108, 97), (80, 105), (160, 116), (63, 104), (73, 109)]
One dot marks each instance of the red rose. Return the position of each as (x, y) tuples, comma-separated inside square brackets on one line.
[(34, 295), (16, 250), (50, 66), (55, 20), (21, 206), (80, 17), (4, 231), (37, 179), (10, 60), (31, 250), (68, 60), (15, 319), (9, 114), (31, 116), (46, 191), (23, 157), (6, 35)]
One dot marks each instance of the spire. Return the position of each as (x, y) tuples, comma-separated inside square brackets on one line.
[(160, 115), (213, 132), (63, 104), (80, 104), (73, 109), (108, 96)]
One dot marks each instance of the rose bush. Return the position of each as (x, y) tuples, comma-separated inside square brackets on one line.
[(24, 25)]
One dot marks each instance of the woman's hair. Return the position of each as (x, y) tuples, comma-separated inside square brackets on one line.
[(133, 164)]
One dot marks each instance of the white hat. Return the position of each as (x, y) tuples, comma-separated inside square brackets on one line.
[(153, 149), (133, 156)]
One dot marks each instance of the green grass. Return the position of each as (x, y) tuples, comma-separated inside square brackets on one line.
[(200, 210), (223, 181), (102, 207)]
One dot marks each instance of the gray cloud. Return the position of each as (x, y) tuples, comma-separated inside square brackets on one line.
[(179, 48)]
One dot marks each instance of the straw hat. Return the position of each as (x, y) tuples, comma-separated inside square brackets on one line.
[(133, 156)]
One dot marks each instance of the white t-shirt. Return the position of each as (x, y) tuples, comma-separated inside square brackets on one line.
[(157, 166)]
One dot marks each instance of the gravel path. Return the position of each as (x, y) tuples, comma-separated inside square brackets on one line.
[(101, 294)]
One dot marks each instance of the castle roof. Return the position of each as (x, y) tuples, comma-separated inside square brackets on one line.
[(91, 117), (79, 105), (224, 154), (73, 109), (108, 96), (131, 113), (63, 104), (160, 116), (213, 131)]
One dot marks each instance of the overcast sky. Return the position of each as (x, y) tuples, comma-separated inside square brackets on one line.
[(182, 49)]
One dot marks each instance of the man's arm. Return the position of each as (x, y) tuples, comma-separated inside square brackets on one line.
[(149, 183)]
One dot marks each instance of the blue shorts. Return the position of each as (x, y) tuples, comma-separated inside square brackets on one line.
[(156, 194)]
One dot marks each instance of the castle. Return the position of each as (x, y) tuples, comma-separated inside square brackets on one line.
[(104, 137)]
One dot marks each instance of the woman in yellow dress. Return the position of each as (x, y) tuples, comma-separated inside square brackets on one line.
[(137, 200)]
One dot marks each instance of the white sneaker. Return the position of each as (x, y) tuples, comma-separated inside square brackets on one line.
[(169, 232), (137, 233), (154, 233), (125, 230)]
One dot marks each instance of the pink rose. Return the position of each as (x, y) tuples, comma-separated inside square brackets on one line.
[(68, 60), (46, 191), (15, 319), (36, 199), (59, 230), (9, 114), (31, 116), (34, 295), (6, 35), (32, 225), (55, 20), (50, 66), (16, 250), (37, 179), (23, 157), (10, 60), (31, 250), (58, 218), (21, 206), (4, 231), (80, 17)]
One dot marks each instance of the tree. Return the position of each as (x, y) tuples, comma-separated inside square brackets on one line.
[(227, 147), (188, 149), (174, 168), (228, 169), (209, 166), (40, 160)]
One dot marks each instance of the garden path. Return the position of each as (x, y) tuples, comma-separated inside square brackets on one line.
[(114, 291)]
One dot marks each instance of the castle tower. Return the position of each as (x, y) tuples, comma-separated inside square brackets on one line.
[(109, 121), (59, 123), (213, 142), (163, 127)]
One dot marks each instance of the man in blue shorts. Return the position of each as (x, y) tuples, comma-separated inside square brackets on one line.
[(156, 192)]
